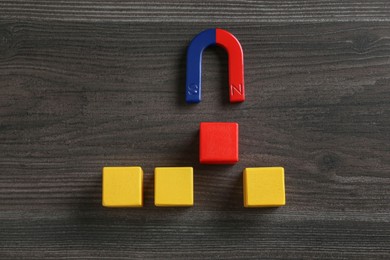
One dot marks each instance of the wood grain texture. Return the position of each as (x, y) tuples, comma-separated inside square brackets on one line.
[(199, 11), (84, 85)]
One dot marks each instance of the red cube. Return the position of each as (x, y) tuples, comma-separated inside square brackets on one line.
[(218, 143)]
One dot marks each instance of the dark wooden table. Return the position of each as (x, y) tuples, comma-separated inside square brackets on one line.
[(88, 84)]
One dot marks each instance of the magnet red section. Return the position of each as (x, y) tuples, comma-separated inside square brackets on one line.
[(218, 143), (236, 64)]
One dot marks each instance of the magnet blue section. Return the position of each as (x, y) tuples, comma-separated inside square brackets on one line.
[(194, 64)]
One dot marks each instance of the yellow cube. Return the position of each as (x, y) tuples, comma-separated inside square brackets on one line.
[(173, 186), (122, 187), (264, 187)]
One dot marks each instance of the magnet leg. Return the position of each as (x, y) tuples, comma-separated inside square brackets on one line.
[(194, 64)]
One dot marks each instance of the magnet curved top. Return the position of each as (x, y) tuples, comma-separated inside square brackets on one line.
[(194, 64)]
